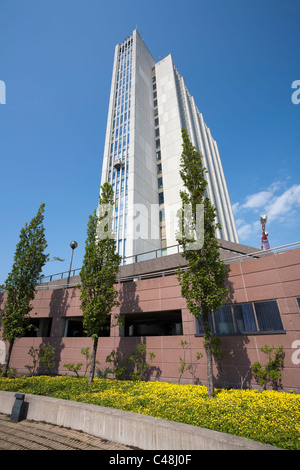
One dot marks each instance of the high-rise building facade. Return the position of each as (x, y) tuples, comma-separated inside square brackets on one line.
[(149, 105)]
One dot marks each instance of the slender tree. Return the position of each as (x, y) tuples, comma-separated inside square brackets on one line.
[(20, 285), (203, 283), (99, 271)]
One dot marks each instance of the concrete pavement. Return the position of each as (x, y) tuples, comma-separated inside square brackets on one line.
[(29, 435)]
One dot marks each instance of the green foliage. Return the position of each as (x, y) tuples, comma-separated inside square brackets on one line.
[(11, 372), (135, 366), (117, 364), (217, 351), (203, 283), (139, 360), (183, 364), (88, 358), (271, 372), (47, 357), (103, 373), (34, 354), (77, 367), (20, 284), (74, 368), (270, 416), (99, 271), (29, 260)]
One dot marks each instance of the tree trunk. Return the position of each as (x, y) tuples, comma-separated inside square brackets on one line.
[(209, 355), (6, 366), (93, 361), (210, 380)]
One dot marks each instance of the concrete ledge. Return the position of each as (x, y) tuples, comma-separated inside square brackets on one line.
[(125, 427)]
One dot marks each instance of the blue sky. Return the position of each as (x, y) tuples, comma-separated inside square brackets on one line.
[(239, 60)]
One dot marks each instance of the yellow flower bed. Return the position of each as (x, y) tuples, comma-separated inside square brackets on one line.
[(270, 417)]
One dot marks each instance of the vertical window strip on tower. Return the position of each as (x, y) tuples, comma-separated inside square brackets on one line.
[(162, 226), (120, 138)]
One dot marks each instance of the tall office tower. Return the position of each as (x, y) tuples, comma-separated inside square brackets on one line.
[(149, 105)]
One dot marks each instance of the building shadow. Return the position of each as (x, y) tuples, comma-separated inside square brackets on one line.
[(234, 369), (134, 347), (59, 304), (128, 298)]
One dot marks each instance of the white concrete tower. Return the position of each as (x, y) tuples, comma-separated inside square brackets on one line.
[(129, 161), (149, 105), (176, 109)]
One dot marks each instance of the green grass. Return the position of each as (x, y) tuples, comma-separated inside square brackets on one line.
[(269, 417)]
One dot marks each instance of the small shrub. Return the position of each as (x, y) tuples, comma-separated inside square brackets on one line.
[(139, 360), (135, 367), (271, 372), (44, 356), (47, 357), (34, 353), (117, 364), (183, 365), (76, 368), (72, 368)]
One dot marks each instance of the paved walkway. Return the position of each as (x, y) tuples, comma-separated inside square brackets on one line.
[(29, 435)]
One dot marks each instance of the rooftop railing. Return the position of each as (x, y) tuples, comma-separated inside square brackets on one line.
[(150, 255)]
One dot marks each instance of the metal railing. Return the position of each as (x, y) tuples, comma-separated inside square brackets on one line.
[(149, 255), (154, 254), (58, 276), (261, 253)]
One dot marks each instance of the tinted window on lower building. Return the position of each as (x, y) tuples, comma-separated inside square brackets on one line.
[(244, 318), (223, 320), (268, 316)]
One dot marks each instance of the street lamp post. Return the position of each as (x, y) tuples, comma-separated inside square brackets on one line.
[(264, 234), (73, 245)]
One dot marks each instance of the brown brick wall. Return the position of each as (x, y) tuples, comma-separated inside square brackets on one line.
[(275, 276)]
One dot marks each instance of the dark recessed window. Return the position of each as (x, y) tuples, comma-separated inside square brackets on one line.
[(153, 324), (41, 327), (73, 327), (162, 215)]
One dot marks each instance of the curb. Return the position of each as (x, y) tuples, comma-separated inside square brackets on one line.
[(126, 427)]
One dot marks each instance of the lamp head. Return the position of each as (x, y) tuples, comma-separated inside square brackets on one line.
[(263, 219)]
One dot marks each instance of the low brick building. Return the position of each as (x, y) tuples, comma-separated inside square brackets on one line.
[(264, 308)]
